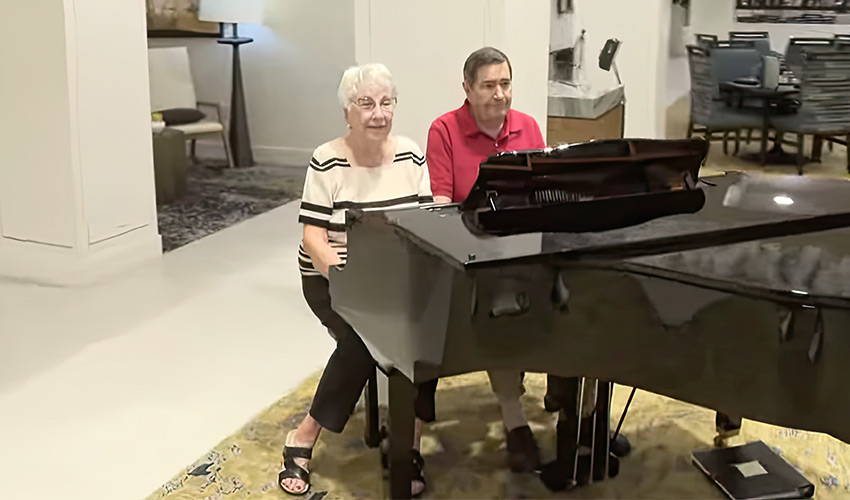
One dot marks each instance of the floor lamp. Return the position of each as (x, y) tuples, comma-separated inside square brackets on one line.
[(229, 13)]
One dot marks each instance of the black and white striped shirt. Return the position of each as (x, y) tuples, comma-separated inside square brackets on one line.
[(334, 185)]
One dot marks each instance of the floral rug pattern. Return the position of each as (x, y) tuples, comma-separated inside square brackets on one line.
[(465, 457)]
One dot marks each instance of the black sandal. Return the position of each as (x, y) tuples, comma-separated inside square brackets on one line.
[(291, 470), (418, 471)]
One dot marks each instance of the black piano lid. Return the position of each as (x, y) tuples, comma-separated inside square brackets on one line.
[(794, 222)]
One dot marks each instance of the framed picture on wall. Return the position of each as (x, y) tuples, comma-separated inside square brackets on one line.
[(177, 18), (793, 11)]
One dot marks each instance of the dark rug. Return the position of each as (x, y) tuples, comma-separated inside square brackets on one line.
[(217, 198)]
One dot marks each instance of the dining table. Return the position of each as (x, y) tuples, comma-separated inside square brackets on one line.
[(771, 100)]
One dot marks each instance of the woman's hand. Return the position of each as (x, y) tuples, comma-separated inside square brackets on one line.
[(315, 240)]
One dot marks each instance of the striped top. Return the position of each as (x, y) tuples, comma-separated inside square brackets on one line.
[(334, 185)]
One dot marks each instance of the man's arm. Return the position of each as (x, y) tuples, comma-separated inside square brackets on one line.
[(438, 155)]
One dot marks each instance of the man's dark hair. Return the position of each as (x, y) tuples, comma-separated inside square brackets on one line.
[(484, 57)]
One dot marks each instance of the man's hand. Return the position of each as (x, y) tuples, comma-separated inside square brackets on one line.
[(442, 199)]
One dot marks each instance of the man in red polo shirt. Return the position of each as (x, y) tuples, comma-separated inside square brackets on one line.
[(458, 142)]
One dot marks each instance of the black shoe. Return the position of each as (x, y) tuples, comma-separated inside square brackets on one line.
[(523, 454), (620, 446)]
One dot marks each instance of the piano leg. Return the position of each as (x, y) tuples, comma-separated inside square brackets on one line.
[(583, 424), (371, 434), (402, 394), (601, 431), (560, 474)]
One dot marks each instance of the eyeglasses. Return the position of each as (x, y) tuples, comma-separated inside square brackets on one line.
[(368, 105)]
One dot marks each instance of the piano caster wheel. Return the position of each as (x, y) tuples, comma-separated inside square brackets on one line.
[(613, 465), (721, 441), (727, 427)]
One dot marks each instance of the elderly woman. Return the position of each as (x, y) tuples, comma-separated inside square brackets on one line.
[(369, 168)]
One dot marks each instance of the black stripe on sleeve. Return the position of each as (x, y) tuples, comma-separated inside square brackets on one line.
[(304, 219), (319, 209)]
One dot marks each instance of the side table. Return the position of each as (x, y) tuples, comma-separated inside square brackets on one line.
[(170, 166)]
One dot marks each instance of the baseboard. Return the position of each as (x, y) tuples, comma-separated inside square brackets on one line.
[(282, 156), (47, 265), (275, 156)]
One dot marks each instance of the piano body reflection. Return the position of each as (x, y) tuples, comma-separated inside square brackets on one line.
[(733, 294)]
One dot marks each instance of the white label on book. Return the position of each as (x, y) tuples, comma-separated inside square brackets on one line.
[(750, 469)]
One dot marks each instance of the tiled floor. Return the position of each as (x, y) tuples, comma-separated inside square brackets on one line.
[(106, 391)]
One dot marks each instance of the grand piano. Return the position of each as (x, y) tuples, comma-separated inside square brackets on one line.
[(615, 261)]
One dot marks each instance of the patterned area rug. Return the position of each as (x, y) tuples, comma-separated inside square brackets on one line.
[(216, 198), (466, 459)]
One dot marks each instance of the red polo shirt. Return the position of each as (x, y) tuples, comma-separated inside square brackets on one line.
[(456, 147)]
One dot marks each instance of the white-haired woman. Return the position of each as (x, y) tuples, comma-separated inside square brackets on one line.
[(369, 167)]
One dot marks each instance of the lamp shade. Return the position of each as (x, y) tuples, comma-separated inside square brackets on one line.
[(231, 11)]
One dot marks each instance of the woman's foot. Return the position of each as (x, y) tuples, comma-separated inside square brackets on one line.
[(523, 454), (294, 478)]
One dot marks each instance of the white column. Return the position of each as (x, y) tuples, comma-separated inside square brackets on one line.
[(643, 27), (77, 195), (713, 17)]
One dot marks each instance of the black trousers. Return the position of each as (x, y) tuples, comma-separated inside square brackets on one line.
[(349, 367)]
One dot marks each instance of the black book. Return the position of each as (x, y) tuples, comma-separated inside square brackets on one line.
[(753, 472)]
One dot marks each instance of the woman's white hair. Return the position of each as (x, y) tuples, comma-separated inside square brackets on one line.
[(356, 78)]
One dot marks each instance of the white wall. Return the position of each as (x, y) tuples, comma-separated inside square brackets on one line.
[(712, 16), (678, 28), (562, 32), (643, 28), (113, 117), (718, 17), (76, 175), (292, 70), (524, 34), (291, 73), (428, 68), (36, 179)]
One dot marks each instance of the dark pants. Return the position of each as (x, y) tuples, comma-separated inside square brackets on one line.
[(349, 367)]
